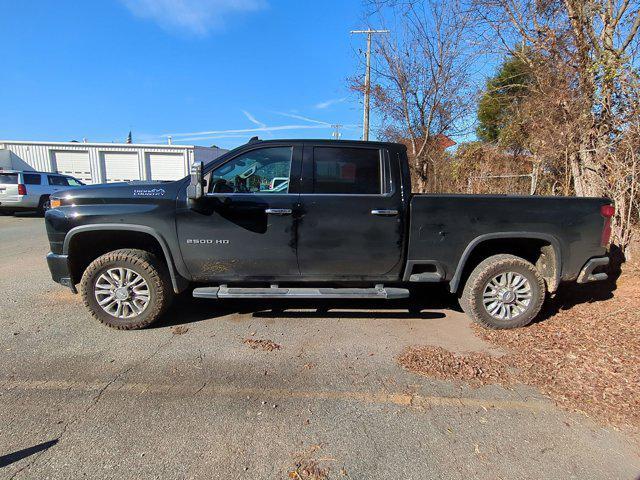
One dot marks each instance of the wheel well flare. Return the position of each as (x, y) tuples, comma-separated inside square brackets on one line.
[(85, 247), (539, 252)]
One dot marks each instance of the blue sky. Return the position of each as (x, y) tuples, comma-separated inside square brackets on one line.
[(206, 71)]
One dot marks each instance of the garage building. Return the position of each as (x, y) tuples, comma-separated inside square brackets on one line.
[(110, 162)]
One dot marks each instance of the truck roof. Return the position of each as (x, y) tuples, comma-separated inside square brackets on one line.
[(360, 143)]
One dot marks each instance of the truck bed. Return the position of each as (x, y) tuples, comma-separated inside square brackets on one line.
[(445, 227)]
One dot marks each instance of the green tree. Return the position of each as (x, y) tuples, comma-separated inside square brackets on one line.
[(498, 105)]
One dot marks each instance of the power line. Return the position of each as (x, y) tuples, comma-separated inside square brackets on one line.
[(367, 80)]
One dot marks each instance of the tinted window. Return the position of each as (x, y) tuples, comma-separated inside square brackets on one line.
[(264, 170), (58, 181), (9, 178), (31, 178), (346, 170)]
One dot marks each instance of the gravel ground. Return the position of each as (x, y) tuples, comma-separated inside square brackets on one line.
[(264, 390)]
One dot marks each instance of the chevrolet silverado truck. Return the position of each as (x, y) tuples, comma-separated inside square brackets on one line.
[(317, 219)]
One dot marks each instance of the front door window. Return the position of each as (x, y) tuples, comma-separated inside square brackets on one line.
[(261, 171)]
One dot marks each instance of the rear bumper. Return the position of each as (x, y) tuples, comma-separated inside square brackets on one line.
[(60, 271), (20, 202), (586, 274)]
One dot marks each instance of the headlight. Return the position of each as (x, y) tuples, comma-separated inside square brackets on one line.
[(56, 202)]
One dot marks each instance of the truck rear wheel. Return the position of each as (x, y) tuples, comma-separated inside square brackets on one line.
[(503, 291), (126, 289)]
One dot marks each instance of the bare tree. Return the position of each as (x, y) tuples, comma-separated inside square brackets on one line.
[(421, 85), (598, 41)]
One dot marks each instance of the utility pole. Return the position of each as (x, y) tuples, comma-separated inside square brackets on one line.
[(367, 80), (336, 131)]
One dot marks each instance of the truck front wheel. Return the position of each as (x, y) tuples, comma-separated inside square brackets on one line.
[(503, 291), (126, 289)]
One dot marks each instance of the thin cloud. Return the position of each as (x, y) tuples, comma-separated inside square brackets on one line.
[(209, 137), (253, 119), (261, 127), (300, 117), (195, 17), (192, 135), (328, 103)]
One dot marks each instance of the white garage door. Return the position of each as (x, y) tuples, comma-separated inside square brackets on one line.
[(121, 166), (166, 166), (73, 163)]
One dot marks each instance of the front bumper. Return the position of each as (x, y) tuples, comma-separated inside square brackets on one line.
[(586, 274), (60, 271)]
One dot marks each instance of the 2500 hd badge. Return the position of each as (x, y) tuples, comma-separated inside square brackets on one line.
[(206, 241)]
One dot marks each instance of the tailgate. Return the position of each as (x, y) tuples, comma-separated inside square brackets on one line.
[(8, 186)]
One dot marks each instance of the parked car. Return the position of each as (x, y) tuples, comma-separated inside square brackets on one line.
[(345, 225), (20, 191)]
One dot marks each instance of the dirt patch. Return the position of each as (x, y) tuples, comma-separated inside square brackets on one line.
[(59, 296), (179, 330), (262, 344), (583, 355), (475, 368)]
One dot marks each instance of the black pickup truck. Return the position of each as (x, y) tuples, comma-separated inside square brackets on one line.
[(317, 219)]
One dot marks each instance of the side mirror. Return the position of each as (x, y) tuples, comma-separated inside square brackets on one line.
[(195, 190)]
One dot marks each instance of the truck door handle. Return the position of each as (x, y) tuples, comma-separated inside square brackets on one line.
[(278, 211), (385, 213)]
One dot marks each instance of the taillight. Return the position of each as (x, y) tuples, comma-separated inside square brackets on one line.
[(607, 211), (22, 190)]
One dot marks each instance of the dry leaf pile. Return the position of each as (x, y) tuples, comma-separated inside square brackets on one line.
[(262, 344), (585, 355), (309, 469), (436, 362)]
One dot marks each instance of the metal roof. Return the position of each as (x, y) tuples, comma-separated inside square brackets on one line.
[(92, 144)]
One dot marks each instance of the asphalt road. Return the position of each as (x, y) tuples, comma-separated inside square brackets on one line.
[(78, 400)]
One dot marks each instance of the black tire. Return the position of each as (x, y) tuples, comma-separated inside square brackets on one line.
[(146, 265), (44, 204), (472, 300)]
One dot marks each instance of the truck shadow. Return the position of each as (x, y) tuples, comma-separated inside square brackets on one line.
[(420, 305)]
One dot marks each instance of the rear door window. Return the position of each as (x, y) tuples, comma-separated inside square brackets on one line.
[(31, 178), (9, 178), (343, 170), (58, 181)]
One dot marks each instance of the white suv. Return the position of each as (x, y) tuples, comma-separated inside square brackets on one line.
[(21, 191)]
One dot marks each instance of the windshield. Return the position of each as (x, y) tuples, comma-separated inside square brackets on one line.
[(74, 182)]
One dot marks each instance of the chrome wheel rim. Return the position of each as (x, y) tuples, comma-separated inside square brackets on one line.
[(122, 292), (507, 296)]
